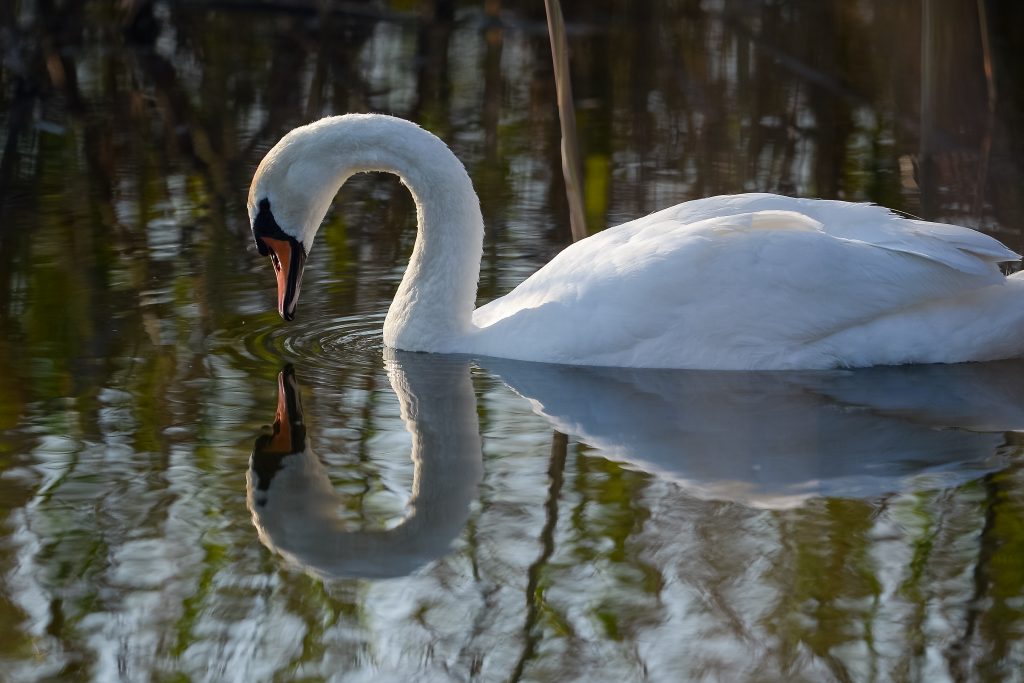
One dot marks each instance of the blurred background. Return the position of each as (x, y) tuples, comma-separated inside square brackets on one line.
[(139, 345)]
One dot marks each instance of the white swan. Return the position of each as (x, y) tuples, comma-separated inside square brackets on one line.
[(754, 281)]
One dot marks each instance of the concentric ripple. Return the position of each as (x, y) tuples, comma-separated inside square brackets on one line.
[(317, 342)]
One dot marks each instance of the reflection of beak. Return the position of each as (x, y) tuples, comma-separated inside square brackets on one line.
[(288, 433), (289, 430), (289, 259)]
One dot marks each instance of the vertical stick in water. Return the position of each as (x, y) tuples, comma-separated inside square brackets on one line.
[(567, 118), (990, 84), (926, 160)]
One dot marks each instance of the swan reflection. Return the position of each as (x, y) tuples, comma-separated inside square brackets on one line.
[(763, 439), (774, 439), (296, 508)]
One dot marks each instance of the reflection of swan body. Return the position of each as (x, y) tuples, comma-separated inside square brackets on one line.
[(296, 508), (735, 282), (775, 439), (766, 439)]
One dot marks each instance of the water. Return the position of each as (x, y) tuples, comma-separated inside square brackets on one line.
[(473, 518)]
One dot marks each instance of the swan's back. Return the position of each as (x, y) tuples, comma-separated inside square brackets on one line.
[(764, 281), (958, 247)]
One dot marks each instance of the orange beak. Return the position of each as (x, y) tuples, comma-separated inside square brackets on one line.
[(289, 259)]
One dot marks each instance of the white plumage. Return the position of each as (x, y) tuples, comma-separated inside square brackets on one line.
[(752, 281)]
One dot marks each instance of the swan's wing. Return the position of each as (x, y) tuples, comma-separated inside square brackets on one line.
[(733, 284), (955, 246)]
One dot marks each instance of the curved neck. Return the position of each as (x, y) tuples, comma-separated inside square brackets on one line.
[(435, 300)]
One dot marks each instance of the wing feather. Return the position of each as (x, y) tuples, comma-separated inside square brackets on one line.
[(762, 272)]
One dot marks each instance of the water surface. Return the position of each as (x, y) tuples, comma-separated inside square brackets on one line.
[(472, 518)]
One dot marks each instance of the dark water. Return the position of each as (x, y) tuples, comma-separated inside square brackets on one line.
[(428, 520)]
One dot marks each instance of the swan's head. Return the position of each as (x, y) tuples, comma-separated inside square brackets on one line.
[(288, 198), (287, 253)]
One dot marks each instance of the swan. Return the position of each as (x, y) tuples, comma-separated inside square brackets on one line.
[(750, 281)]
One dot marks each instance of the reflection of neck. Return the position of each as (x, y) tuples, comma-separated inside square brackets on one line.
[(299, 518)]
